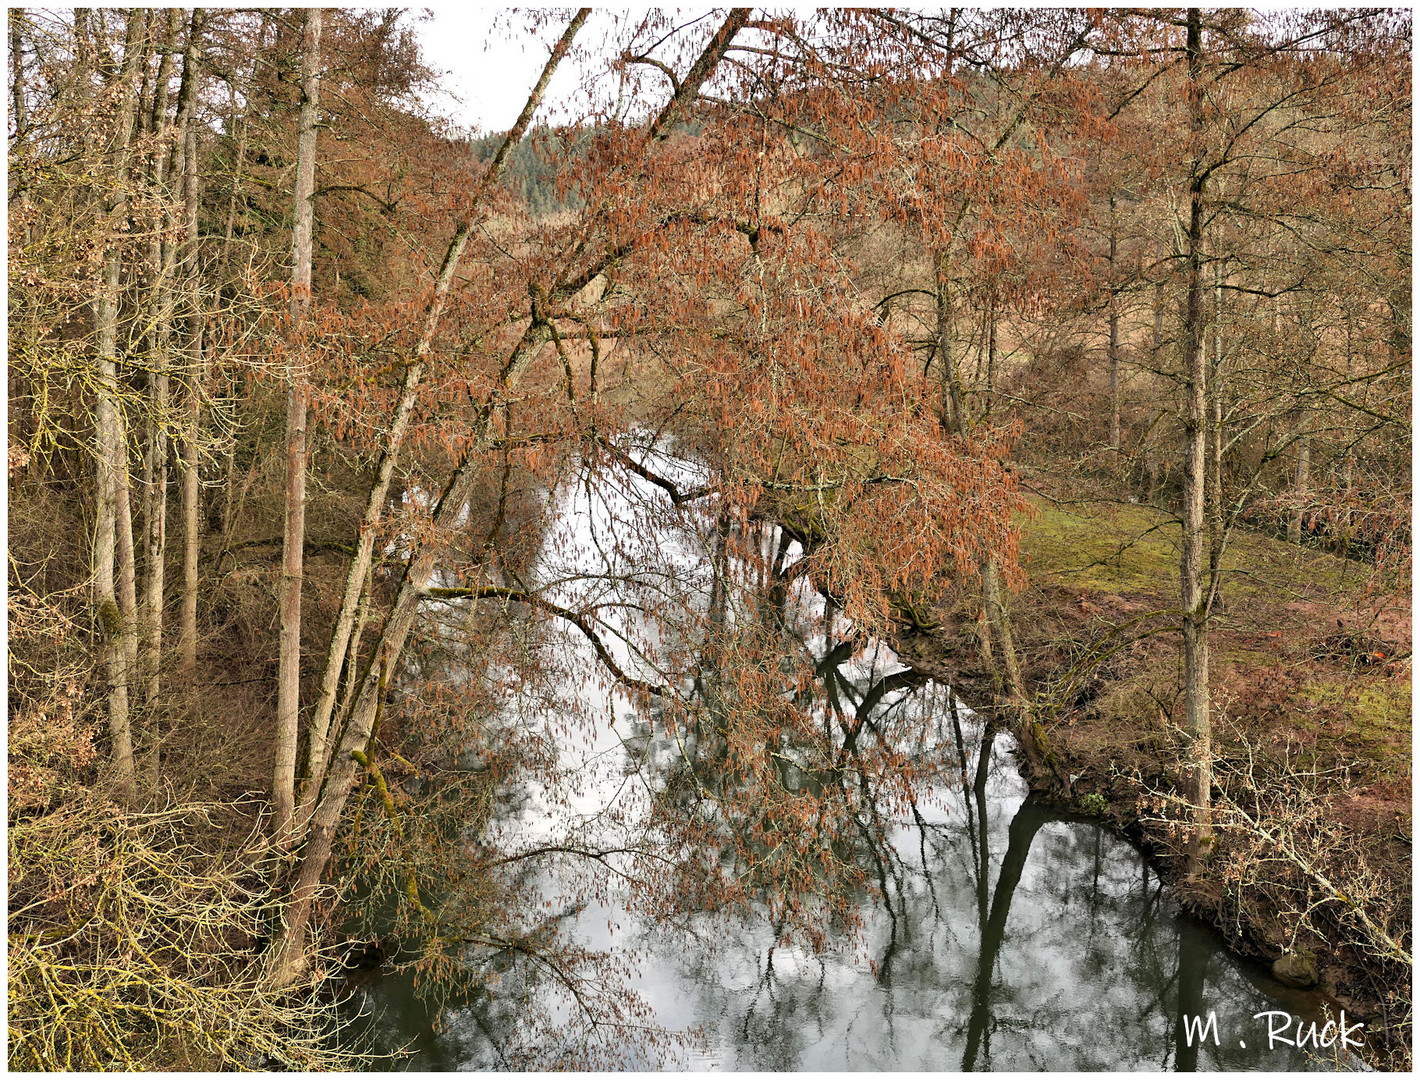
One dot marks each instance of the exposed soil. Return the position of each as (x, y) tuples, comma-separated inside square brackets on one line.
[(1311, 677)]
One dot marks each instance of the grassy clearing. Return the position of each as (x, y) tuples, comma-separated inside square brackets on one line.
[(1123, 549)]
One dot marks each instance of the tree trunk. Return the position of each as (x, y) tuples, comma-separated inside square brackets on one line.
[(1153, 467), (358, 571), (1348, 502), (155, 449), (991, 316), (156, 524), (182, 148), (230, 225), (191, 503), (1000, 623), (288, 689), (290, 959), (1157, 341), (19, 190), (1114, 438), (1197, 722), (953, 418), (128, 594), (161, 257), (112, 476), (1217, 526), (1300, 488)]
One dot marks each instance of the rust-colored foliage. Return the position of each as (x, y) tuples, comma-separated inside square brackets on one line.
[(812, 284)]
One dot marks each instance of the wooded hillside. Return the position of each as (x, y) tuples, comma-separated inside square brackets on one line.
[(295, 373)]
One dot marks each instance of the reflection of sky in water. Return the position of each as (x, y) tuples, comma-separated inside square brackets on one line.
[(1062, 955), (1086, 976)]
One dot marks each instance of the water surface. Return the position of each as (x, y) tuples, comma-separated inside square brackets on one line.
[(1002, 934)]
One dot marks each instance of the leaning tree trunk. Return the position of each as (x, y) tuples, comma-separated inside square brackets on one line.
[(290, 956), (1028, 730), (339, 655), (288, 689), (1193, 595)]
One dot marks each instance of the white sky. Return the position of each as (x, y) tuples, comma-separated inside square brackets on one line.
[(492, 67)]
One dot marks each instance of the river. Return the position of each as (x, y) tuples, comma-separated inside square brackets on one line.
[(1002, 934)]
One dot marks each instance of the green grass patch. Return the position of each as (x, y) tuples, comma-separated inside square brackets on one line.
[(1118, 549), (1134, 549), (1370, 718)]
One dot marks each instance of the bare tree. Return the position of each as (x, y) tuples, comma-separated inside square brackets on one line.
[(115, 601), (343, 753), (288, 687)]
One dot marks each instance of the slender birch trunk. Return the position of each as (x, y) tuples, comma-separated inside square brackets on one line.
[(182, 146), (224, 262), (192, 433), (191, 546), (177, 161), (155, 454), (288, 689)]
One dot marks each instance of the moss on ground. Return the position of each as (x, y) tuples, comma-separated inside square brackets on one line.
[(1095, 569), (1119, 549), (1311, 678)]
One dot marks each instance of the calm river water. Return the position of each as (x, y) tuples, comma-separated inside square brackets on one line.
[(1007, 936)]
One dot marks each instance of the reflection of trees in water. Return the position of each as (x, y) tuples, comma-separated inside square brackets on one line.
[(1074, 961), (794, 749), (1024, 825), (926, 873), (792, 815), (1095, 969)]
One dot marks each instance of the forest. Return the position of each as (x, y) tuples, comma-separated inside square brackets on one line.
[(785, 520)]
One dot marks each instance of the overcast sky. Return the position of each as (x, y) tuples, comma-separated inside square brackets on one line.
[(491, 63)]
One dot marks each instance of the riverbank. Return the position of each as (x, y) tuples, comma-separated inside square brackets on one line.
[(1311, 674)]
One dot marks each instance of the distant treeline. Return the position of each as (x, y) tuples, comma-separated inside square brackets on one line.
[(533, 166)]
